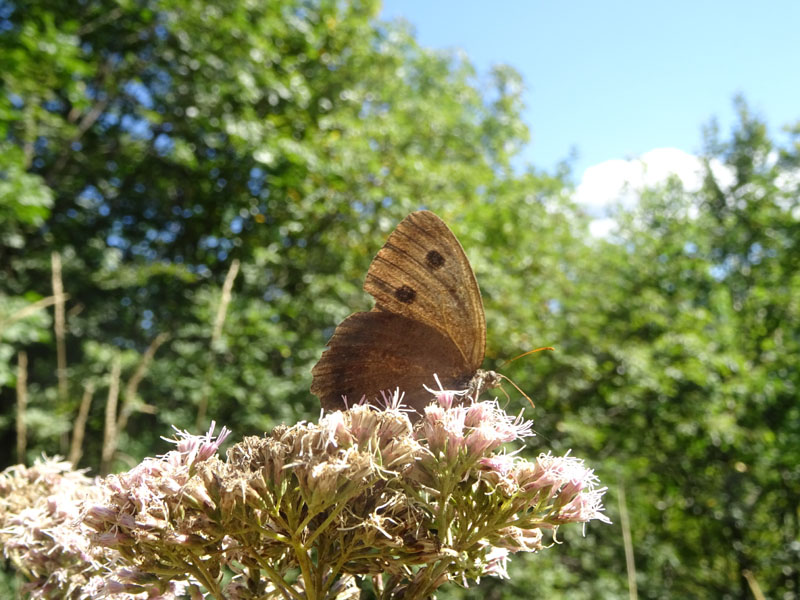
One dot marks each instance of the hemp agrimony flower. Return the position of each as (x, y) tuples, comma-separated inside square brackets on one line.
[(362, 493)]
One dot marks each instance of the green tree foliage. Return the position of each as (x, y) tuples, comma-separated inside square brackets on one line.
[(152, 143), (677, 366)]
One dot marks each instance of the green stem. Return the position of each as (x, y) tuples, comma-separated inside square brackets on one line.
[(306, 568), (278, 581)]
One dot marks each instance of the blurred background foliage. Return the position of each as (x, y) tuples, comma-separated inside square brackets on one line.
[(150, 150)]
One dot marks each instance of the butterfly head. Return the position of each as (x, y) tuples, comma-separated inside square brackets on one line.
[(482, 381)]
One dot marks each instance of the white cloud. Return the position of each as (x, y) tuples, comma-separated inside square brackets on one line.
[(601, 228), (605, 183), (617, 181)]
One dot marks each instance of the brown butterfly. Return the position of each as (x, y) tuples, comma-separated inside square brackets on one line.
[(428, 319)]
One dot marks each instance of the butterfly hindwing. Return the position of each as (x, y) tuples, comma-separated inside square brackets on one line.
[(377, 351)]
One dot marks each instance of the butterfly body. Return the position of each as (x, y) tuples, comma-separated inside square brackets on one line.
[(428, 319)]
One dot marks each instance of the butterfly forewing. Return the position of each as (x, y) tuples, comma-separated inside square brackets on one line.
[(422, 273)]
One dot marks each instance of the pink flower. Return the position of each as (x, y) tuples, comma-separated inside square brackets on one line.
[(518, 539), (584, 507), (446, 398), (496, 563), (197, 448), (501, 464), (334, 431), (364, 422), (485, 437), (443, 429)]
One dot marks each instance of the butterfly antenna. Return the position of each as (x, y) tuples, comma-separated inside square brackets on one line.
[(508, 379), (502, 389), (510, 360)]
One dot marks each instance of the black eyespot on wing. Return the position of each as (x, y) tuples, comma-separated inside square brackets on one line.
[(405, 294), (434, 260)]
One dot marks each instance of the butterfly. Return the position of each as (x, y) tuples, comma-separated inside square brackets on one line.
[(428, 319)]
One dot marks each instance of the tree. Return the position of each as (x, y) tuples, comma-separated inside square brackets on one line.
[(153, 144)]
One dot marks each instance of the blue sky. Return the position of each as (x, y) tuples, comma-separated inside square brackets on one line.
[(616, 79)]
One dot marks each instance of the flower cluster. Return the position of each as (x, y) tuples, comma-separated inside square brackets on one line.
[(161, 520), (42, 534), (363, 492)]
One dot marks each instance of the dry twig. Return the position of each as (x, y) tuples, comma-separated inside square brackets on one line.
[(78, 431), (110, 436), (59, 325), (22, 404)]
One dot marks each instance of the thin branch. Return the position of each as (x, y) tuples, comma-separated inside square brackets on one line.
[(135, 380), (60, 326), (219, 322), (88, 119), (752, 583), (22, 404), (104, 18), (627, 542), (225, 300), (30, 309), (110, 430), (78, 431)]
